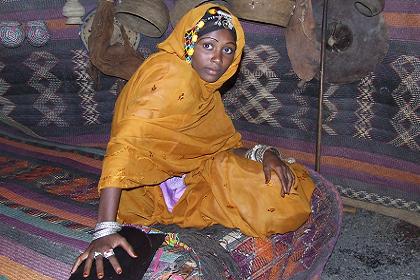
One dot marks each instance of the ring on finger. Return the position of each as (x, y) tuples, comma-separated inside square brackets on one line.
[(290, 160), (108, 253), (96, 254)]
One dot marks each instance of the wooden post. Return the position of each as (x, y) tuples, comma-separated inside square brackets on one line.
[(321, 87)]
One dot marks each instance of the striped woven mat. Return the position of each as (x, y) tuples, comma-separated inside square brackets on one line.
[(48, 200)]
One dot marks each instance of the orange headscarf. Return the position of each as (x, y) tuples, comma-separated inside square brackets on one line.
[(167, 120)]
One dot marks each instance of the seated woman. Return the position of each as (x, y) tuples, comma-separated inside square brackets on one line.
[(174, 156)]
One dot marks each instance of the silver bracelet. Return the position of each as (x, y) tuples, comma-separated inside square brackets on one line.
[(103, 229), (103, 233), (111, 224), (257, 153), (250, 154)]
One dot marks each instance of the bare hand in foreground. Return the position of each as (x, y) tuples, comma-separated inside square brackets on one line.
[(272, 162), (103, 245)]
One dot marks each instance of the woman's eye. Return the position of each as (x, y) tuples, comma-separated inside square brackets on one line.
[(207, 46), (228, 50)]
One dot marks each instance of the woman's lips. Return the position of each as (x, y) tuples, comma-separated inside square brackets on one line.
[(212, 72)]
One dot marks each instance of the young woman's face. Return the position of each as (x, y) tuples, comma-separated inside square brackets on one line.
[(213, 54)]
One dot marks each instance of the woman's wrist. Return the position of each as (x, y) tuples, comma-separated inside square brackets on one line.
[(257, 153), (107, 212), (103, 229)]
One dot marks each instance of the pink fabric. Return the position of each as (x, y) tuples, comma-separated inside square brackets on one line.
[(172, 190)]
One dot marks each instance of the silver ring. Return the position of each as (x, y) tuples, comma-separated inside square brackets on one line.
[(108, 253), (290, 160), (96, 254)]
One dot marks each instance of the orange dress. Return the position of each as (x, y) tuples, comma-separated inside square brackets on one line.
[(169, 122)]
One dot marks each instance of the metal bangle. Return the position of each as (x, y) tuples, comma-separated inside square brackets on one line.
[(105, 225), (103, 233), (261, 149), (257, 152), (250, 154)]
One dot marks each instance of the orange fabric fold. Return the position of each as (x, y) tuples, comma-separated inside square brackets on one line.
[(228, 190)]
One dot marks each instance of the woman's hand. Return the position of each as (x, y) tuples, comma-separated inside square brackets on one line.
[(272, 162), (101, 245)]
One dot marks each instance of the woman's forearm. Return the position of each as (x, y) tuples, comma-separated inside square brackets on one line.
[(108, 204)]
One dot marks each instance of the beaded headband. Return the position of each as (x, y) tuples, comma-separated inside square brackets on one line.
[(220, 20)]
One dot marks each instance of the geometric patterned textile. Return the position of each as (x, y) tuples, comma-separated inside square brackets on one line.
[(6, 106), (86, 92), (331, 110), (48, 103), (406, 121), (377, 199), (48, 200), (365, 111), (48, 87), (369, 109), (253, 98)]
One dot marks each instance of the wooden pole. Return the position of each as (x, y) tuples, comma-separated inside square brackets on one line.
[(321, 86)]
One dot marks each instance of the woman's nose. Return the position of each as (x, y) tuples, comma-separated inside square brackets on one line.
[(217, 57)]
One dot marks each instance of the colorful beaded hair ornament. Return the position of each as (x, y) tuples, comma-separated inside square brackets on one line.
[(214, 19)]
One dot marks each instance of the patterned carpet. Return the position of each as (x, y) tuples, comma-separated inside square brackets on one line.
[(48, 201)]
